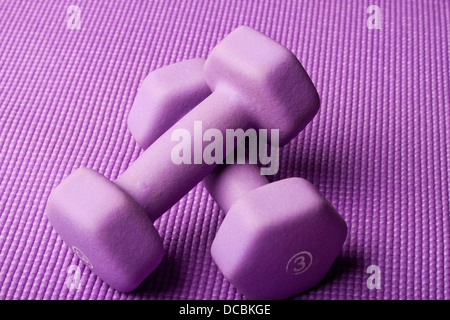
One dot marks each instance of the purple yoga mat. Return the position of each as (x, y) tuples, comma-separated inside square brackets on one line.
[(378, 149)]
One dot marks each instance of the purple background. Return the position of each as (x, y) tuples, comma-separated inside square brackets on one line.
[(378, 149)]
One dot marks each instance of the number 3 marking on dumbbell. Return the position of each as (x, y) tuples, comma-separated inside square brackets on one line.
[(299, 263), (83, 257)]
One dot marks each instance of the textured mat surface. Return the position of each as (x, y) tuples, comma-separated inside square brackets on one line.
[(378, 149)]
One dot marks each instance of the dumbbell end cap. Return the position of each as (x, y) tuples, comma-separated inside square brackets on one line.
[(266, 78), (105, 228), (165, 96), (279, 240)]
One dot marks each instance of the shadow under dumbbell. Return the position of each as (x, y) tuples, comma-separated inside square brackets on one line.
[(164, 281)]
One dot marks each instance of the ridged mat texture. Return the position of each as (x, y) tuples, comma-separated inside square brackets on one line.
[(378, 148)]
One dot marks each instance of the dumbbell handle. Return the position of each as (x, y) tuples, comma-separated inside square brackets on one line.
[(154, 181), (226, 189)]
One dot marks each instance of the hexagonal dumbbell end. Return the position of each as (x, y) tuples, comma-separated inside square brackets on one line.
[(277, 240), (266, 79), (105, 228), (175, 89)]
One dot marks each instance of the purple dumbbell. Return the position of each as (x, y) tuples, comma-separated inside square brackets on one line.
[(277, 239), (256, 83)]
